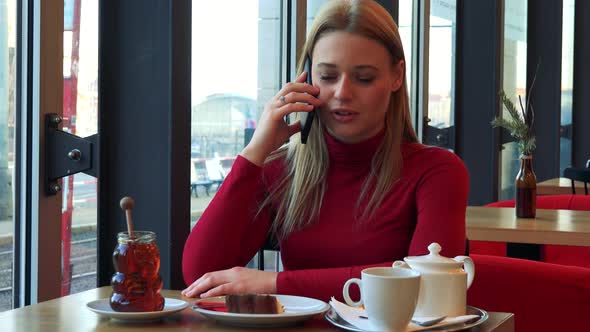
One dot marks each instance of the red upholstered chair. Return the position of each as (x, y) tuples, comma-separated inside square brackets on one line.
[(557, 254), (542, 296)]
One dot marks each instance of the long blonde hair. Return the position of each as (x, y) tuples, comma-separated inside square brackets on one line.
[(299, 193)]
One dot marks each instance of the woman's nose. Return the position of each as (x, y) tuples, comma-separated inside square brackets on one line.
[(343, 88)]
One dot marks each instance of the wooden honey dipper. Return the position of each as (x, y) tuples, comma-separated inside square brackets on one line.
[(127, 203)]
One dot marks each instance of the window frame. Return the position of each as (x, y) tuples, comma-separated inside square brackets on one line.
[(37, 240)]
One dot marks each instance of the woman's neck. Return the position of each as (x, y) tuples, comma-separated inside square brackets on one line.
[(352, 154)]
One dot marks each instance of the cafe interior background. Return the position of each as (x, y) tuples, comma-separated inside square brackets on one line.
[(161, 95)]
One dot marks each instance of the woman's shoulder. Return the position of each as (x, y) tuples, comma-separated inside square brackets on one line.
[(416, 155), (434, 168), (419, 149)]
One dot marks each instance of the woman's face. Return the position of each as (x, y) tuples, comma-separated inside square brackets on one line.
[(356, 76)]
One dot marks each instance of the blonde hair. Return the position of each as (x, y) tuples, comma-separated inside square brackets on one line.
[(299, 193)]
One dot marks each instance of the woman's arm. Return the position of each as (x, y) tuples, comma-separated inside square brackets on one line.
[(315, 283), (229, 232), (441, 201), (321, 284)]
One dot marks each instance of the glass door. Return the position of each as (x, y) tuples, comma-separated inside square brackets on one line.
[(80, 114), (7, 147), (47, 223)]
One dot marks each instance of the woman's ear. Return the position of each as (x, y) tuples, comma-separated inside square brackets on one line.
[(398, 70)]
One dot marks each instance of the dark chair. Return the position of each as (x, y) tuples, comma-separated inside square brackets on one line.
[(271, 244), (199, 177), (578, 174), (215, 172)]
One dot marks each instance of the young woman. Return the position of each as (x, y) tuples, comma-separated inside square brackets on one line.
[(362, 192)]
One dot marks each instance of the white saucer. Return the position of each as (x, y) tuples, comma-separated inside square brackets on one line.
[(297, 309), (103, 309), (335, 319)]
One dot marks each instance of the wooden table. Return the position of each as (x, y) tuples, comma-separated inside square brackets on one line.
[(559, 186), (561, 227), (566, 227), (70, 314)]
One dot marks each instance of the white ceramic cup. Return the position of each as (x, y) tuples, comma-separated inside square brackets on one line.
[(389, 296)]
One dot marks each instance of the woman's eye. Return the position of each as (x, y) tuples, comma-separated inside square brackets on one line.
[(327, 77), (365, 79)]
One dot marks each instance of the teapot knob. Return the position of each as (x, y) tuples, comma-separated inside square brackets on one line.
[(434, 248)]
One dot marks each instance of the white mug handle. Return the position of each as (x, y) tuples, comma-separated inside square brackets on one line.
[(346, 296)]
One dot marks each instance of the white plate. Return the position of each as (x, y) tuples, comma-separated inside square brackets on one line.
[(336, 320), (297, 309), (103, 308)]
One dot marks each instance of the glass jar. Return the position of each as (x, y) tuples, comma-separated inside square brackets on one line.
[(525, 201), (136, 282)]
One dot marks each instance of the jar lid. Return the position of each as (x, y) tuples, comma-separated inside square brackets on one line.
[(138, 236)]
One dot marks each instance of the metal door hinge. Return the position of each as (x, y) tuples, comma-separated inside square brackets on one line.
[(67, 154)]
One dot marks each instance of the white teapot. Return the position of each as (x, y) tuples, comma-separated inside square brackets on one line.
[(444, 282)]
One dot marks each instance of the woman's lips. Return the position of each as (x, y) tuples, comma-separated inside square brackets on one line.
[(342, 115)]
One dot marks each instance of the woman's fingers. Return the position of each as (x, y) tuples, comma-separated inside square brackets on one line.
[(203, 284), (223, 289), (219, 280), (298, 85), (233, 281), (301, 78), (289, 108), (299, 97)]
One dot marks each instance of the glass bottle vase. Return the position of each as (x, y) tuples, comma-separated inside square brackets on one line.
[(526, 189)]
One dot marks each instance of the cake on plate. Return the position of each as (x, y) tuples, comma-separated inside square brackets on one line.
[(253, 304)]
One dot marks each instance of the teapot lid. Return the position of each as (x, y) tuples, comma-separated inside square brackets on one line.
[(433, 257)]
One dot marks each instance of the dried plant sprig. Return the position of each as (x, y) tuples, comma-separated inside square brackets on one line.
[(519, 124)]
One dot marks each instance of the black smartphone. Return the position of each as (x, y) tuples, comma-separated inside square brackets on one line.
[(305, 117)]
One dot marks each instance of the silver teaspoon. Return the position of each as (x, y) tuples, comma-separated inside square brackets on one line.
[(429, 322)]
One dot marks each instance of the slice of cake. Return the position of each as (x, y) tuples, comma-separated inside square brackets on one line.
[(253, 304)]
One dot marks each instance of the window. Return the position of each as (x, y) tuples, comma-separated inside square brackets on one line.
[(441, 76), (515, 55), (230, 85), (405, 21), (567, 85)]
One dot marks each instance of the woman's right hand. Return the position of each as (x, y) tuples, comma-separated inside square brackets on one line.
[(272, 130)]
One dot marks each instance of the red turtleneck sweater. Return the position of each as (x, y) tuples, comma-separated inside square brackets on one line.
[(427, 204)]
